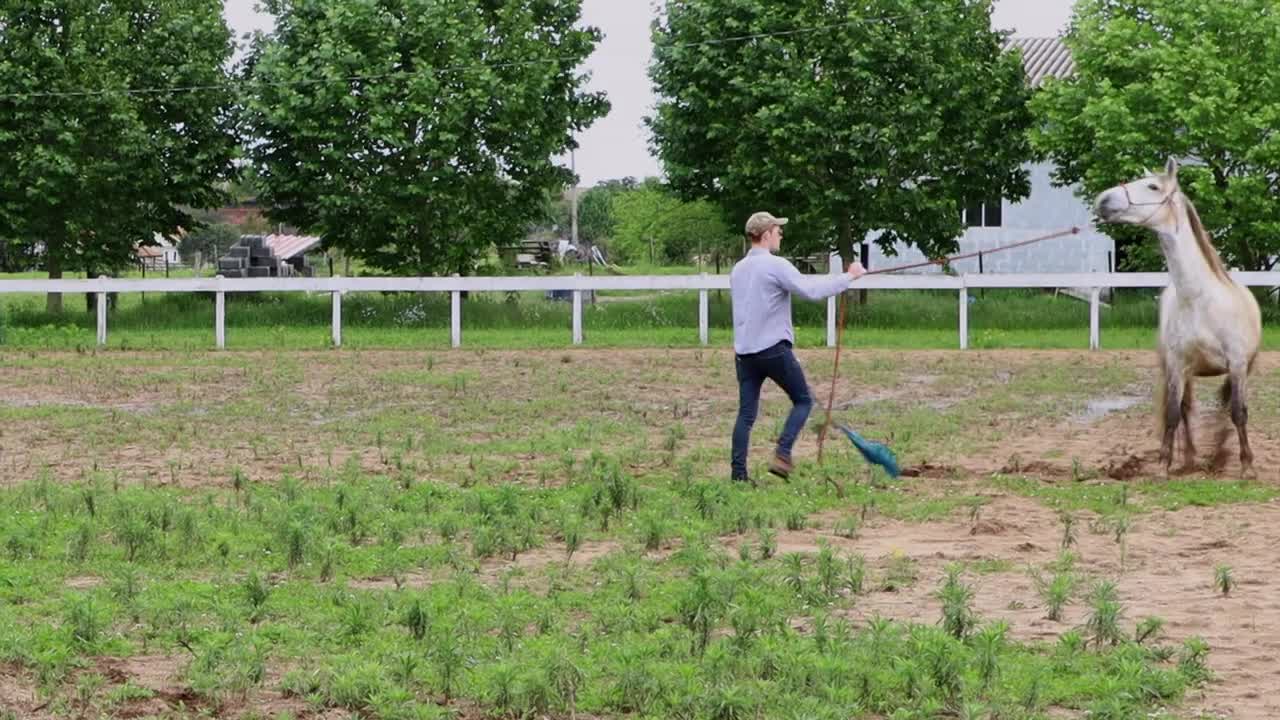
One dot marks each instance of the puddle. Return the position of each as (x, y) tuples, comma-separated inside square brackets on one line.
[(1102, 407)]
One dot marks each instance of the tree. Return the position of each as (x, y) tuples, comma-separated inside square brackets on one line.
[(596, 221), (848, 116), (655, 225), (87, 169), (640, 215), (1193, 79), (412, 134), (696, 228)]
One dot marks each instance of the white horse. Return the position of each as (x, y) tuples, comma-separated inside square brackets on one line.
[(1210, 325)]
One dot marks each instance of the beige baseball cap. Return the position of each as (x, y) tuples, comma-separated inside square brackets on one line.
[(761, 222)]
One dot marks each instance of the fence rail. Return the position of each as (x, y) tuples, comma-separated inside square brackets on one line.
[(1095, 283)]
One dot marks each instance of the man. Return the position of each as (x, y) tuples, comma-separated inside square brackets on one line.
[(761, 286)]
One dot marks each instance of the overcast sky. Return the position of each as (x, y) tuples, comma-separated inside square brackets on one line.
[(615, 146)]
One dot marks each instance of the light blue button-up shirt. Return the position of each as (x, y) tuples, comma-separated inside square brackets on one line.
[(761, 285)]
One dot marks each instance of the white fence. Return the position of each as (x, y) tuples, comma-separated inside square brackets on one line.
[(338, 286)]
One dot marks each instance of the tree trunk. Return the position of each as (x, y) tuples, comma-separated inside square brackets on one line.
[(90, 298), (850, 251), (866, 265), (718, 294), (53, 263)]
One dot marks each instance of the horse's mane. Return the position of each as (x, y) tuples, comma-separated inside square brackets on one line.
[(1204, 243)]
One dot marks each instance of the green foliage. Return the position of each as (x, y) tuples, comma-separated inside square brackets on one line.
[(1173, 78), (1056, 593), (861, 126), (92, 175), (654, 225), (445, 149), (1106, 613), (1192, 661), (692, 632), (1223, 579), (958, 618), (597, 219)]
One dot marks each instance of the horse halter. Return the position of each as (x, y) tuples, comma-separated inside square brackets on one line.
[(1167, 199)]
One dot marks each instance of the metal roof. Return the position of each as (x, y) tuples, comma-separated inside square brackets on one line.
[(1043, 58), (288, 246)]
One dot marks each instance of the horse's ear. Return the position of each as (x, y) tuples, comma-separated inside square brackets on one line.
[(1171, 168)]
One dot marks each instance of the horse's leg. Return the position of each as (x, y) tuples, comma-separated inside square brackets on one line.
[(1220, 454), (1187, 405), (1240, 417), (1173, 384)]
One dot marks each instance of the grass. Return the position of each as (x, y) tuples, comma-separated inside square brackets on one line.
[(583, 642), (1118, 499), (426, 535)]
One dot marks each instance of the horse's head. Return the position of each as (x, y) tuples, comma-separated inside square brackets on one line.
[(1147, 201)]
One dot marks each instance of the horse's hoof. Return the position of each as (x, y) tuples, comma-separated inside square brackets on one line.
[(1248, 473)]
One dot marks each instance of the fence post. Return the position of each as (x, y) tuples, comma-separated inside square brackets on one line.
[(219, 313), (835, 268), (702, 311), (964, 315), (577, 310), (1095, 330), (337, 318), (102, 314), (455, 318)]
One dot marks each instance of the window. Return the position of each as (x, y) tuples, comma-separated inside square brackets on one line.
[(984, 214)]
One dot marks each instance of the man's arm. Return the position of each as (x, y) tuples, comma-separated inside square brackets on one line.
[(809, 288)]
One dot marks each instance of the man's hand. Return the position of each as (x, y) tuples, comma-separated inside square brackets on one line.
[(856, 270)]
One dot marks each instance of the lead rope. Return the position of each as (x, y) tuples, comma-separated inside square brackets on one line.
[(835, 372)]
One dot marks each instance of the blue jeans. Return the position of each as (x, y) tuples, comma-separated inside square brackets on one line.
[(778, 364)]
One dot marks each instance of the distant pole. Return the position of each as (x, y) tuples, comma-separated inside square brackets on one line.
[(573, 199), (573, 204), (983, 291)]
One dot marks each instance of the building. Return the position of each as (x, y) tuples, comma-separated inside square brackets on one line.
[(1046, 210), (158, 256)]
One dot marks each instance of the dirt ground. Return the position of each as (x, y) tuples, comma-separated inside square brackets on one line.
[(1170, 556), (1168, 573), (188, 433)]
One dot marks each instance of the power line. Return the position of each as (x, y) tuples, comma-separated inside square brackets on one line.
[(452, 68)]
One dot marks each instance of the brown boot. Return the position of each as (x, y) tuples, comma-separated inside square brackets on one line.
[(780, 467)]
